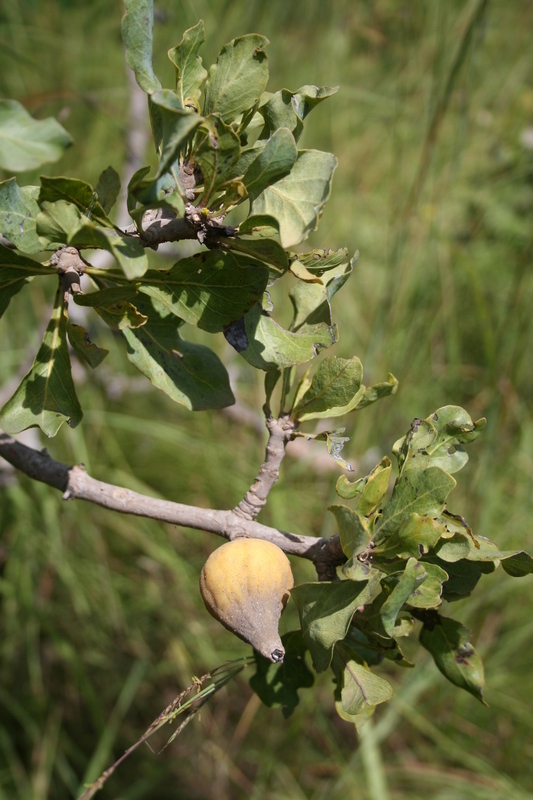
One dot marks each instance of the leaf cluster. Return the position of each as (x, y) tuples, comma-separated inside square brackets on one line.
[(406, 553)]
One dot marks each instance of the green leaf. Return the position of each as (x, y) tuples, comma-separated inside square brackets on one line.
[(18, 212), (353, 531), (326, 610), (361, 688), (216, 154), (422, 492), (82, 345), (312, 301), (262, 224), (108, 189), (332, 391), (415, 537), (27, 143), (287, 109), (113, 306), (266, 345), (376, 392), (154, 193), (448, 642), (190, 73), (429, 593), (356, 570), (265, 250), (273, 162), (177, 127), (80, 193), (55, 222), (46, 397), (191, 374), (518, 565), (437, 441), (137, 32), (375, 488), (15, 271), (237, 80), (127, 250), (210, 290), (277, 685), (413, 575), (462, 576), (297, 200)]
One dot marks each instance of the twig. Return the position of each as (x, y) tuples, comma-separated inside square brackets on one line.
[(76, 483), (280, 432)]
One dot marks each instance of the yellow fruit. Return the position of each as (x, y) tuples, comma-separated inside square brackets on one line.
[(245, 584)]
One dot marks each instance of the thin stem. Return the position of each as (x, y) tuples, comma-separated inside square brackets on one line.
[(280, 432)]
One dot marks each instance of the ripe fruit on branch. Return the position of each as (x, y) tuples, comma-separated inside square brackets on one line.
[(245, 584)]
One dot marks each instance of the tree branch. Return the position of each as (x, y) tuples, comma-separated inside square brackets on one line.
[(280, 432), (75, 483)]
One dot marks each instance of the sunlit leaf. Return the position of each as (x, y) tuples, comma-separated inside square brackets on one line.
[(190, 73), (191, 374), (177, 127), (266, 345), (27, 143), (413, 575), (18, 212), (353, 531), (80, 193), (297, 200), (210, 290), (46, 397), (333, 390), (237, 80), (273, 162), (137, 32)]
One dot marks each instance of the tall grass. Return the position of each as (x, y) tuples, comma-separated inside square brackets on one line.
[(101, 622)]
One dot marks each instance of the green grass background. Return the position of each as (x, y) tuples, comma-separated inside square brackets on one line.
[(101, 623)]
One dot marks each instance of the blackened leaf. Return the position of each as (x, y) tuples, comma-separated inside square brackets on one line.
[(46, 397), (297, 200), (326, 610), (18, 212), (191, 374), (108, 188), (82, 345), (266, 345), (137, 32), (27, 143), (353, 530), (333, 390), (237, 80), (210, 290), (190, 73), (278, 684), (448, 642)]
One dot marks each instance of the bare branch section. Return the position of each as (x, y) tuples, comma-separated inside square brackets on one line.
[(75, 483), (280, 432)]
